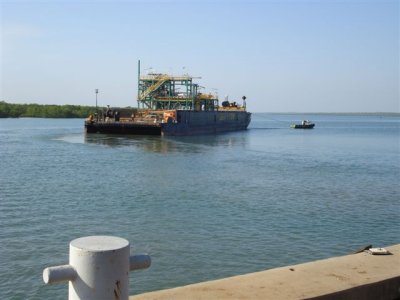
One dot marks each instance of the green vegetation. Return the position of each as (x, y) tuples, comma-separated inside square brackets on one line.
[(8, 110)]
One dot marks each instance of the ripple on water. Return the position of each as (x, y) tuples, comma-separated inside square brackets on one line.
[(202, 207)]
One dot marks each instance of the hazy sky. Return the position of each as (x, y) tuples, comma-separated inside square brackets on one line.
[(285, 56)]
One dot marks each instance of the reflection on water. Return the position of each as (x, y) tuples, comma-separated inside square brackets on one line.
[(245, 194), (71, 138), (158, 144)]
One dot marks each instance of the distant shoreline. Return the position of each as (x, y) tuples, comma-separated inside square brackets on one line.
[(9, 110), (33, 110)]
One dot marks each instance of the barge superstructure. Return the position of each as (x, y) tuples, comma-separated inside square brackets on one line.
[(172, 105)]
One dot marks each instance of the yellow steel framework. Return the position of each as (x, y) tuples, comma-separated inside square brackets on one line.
[(167, 92)]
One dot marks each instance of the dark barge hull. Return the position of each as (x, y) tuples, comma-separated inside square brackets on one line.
[(207, 122), (122, 128), (187, 123)]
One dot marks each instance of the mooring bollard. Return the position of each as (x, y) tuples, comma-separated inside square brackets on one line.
[(98, 268)]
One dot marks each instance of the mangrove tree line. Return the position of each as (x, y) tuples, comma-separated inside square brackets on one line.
[(8, 110)]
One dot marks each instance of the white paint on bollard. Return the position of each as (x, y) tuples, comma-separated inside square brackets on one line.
[(98, 268), (137, 262), (59, 274), (102, 265)]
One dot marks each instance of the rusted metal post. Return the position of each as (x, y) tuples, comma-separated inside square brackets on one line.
[(98, 268)]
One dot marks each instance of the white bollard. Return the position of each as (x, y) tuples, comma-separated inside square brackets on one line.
[(98, 268)]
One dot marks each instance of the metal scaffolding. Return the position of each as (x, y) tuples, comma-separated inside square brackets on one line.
[(166, 92)]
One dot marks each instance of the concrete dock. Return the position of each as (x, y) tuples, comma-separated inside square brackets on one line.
[(355, 276)]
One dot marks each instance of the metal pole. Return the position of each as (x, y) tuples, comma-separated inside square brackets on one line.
[(138, 90), (97, 112), (96, 91)]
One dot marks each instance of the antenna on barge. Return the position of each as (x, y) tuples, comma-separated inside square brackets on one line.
[(138, 80), (96, 92)]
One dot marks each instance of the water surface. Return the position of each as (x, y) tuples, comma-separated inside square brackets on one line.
[(203, 207)]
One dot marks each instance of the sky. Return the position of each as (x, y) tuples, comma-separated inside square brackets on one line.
[(284, 56)]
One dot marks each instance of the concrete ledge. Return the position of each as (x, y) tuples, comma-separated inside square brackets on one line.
[(355, 276)]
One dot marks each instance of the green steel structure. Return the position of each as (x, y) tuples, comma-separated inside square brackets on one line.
[(166, 92), (172, 106)]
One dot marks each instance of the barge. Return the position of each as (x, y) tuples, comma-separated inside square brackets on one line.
[(173, 106)]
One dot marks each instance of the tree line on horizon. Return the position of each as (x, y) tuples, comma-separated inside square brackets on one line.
[(8, 110)]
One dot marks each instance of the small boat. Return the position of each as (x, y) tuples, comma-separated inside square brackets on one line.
[(304, 125)]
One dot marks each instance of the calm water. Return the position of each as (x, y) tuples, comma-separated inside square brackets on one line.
[(202, 207)]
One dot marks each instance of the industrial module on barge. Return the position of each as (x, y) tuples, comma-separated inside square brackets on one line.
[(172, 105)]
